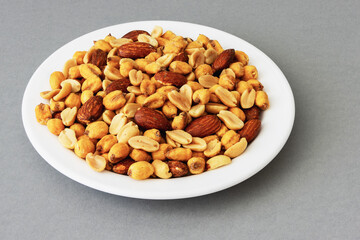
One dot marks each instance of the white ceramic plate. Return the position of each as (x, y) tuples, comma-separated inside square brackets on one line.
[(273, 135)]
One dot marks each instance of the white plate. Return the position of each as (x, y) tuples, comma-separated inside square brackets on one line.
[(277, 122)]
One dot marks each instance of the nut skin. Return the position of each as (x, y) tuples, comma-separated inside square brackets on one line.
[(224, 60), (252, 113), (135, 50), (148, 118), (178, 169), (98, 58), (204, 126), (170, 78), (122, 167), (251, 129), (133, 35), (118, 85), (91, 110)]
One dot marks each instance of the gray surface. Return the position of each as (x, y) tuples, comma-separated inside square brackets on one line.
[(310, 191)]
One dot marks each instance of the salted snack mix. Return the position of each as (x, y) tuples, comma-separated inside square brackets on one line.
[(155, 105)]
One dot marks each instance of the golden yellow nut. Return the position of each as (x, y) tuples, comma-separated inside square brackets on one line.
[(73, 100), (93, 84), (238, 112), (114, 100), (108, 38), (103, 45), (242, 86), (153, 134), (147, 87), (107, 116), (56, 106), (140, 170), (196, 165), (237, 96), (140, 99), (198, 154), (169, 109), (97, 129), (210, 138), (78, 128), (153, 56), (203, 39), (180, 121), (118, 152), (179, 154), (255, 84), (55, 126), (126, 67), (238, 69), (101, 94), (222, 130), (214, 98), (161, 169), (250, 72), (140, 155), (152, 68), (79, 56), (242, 57), (262, 100), (55, 79), (203, 69), (230, 138), (86, 95), (142, 63), (227, 82), (194, 85), (43, 113), (217, 161), (74, 72), (201, 96), (64, 92), (84, 146), (160, 153), (155, 100), (168, 35), (180, 67)]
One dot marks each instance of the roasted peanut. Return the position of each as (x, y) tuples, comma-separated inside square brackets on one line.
[(237, 149), (180, 67), (67, 138), (107, 116), (84, 146), (145, 143), (56, 106), (68, 116), (55, 79), (78, 128), (86, 95), (196, 165), (118, 152), (114, 100), (242, 57), (250, 72), (180, 121), (229, 139), (64, 92), (217, 161), (197, 144), (68, 64), (169, 109), (197, 110), (262, 100), (238, 112), (147, 87), (155, 100), (153, 134), (96, 162), (179, 154), (117, 123), (255, 84), (201, 96), (227, 81), (105, 143), (247, 99), (140, 170), (73, 100), (222, 131), (128, 131), (179, 136), (97, 129), (160, 153), (208, 81), (238, 69), (140, 155), (55, 126), (230, 120), (161, 169), (203, 70)]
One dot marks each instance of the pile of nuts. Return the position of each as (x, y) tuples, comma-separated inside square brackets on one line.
[(155, 105)]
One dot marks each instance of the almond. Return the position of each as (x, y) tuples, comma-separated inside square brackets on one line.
[(148, 118), (91, 110), (204, 126), (224, 60), (133, 35), (250, 130), (98, 58), (252, 113), (135, 50), (183, 57), (121, 84), (170, 78)]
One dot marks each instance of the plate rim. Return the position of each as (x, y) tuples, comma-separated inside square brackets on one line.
[(147, 195)]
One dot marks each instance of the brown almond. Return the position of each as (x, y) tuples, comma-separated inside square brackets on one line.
[(121, 84), (204, 126), (250, 130), (91, 110), (135, 50), (148, 118), (133, 35), (98, 58), (183, 57), (252, 113), (224, 60), (170, 78)]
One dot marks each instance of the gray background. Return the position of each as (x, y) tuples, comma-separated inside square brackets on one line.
[(311, 190)]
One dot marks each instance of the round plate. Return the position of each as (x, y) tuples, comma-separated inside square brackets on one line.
[(273, 135)]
